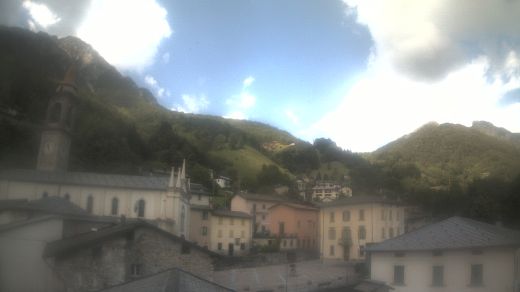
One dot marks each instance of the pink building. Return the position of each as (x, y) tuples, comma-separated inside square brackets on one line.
[(295, 224)]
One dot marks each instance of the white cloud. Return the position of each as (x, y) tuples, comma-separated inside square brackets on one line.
[(126, 33), (41, 15), (248, 81), (247, 100), (154, 85), (385, 105), (150, 80), (236, 116), (430, 38), (192, 104), (292, 116)]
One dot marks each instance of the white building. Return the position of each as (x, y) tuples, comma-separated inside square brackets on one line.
[(454, 255), (223, 182), (329, 191)]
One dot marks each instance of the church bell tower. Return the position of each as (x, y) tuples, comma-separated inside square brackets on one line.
[(55, 142)]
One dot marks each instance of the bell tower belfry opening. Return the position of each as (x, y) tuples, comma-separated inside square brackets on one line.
[(53, 154)]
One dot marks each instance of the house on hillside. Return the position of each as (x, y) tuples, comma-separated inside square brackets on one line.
[(453, 255), (348, 225), (230, 232), (223, 182), (117, 254), (326, 191)]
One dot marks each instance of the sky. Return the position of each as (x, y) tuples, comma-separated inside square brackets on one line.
[(360, 72)]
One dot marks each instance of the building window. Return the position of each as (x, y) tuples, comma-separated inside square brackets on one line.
[(346, 215), (219, 233), (263, 217), (55, 113), (398, 215), (345, 234), (231, 234), (284, 243), (382, 214), (331, 251), (219, 246), (90, 203), (362, 233), (45, 195), (331, 217), (204, 230), (298, 224), (185, 247), (136, 270), (399, 275), (242, 246), (115, 206), (390, 214), (281, 228), (243, 222), (476, 275), (383, 233), (183, 218), (242, 234), (438, 276), (204, 215), (390, 232), (332, 233), (437, 253), (141, 204), (361, 250), (263, 206), (67, 197), (361, 215), (290, 243)]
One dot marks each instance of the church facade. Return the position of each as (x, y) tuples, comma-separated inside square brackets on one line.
[(163, 199)]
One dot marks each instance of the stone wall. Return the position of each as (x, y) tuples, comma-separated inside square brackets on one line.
[(110, 262)]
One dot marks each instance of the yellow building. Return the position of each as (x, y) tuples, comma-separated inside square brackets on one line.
[(348, 225), (230, 232)]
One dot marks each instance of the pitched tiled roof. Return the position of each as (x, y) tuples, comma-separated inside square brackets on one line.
[(262, 197), (92, 179), (452, 233), (228, 213), (51, 205), (296, 206), (358, 199), (65, 245), (173, 279)]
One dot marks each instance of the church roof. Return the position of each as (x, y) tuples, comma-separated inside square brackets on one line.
[(452, 233), (50, 205), (88, 178)]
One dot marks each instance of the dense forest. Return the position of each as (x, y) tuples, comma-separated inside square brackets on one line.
[(120, 128)]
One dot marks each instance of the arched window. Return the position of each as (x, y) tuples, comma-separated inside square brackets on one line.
[(55, 113), (183, 216), (70, 116), (67, 197), (141, 204), (115, 206), (90, 204)]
